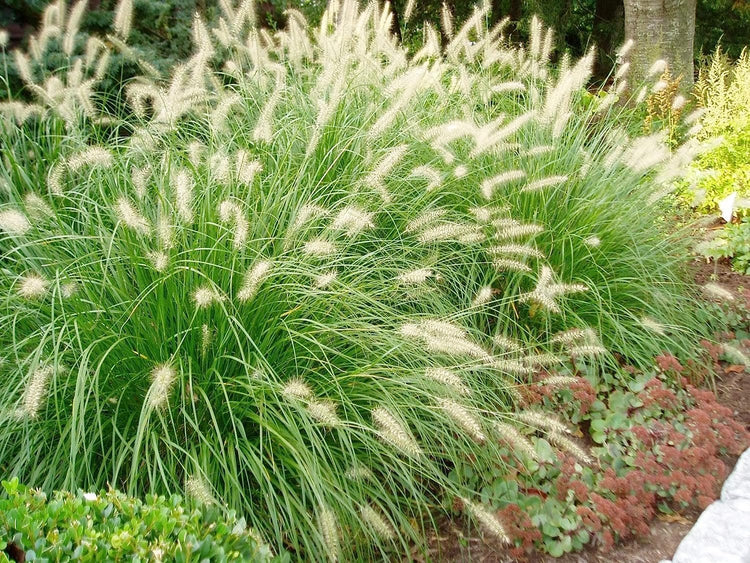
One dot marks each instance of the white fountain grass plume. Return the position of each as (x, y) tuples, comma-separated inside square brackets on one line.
[(377, 522), (353, 220), (123, 18), (394, 433), (547, 291), (131, 217), (488, 520), (463, 418), (231, 212), (14, 222), (376, 177), (35, 393), (254, 279), (163, 378)]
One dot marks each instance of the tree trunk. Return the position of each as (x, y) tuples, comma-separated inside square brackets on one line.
[(607, 34), (661, 29)]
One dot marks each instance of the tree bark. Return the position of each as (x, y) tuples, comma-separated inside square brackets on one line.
[(661, 29)]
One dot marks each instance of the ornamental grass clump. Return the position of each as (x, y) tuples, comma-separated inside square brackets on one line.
[(310, 272)]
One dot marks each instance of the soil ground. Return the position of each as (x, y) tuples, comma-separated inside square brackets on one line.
[(732, 389)]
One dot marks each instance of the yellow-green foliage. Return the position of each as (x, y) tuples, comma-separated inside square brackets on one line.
[(723, 91)]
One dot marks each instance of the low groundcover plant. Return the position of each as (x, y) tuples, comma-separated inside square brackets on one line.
[(113, 527), (311, 271)]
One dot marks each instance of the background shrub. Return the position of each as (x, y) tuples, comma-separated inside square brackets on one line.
[(112, 526), (723, 91)]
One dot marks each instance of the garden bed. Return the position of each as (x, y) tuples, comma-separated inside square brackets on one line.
[(455, 542)]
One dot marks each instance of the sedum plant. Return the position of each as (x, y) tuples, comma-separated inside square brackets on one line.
[(311, 272)]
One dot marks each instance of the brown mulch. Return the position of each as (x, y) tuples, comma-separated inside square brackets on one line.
[(733, 390)]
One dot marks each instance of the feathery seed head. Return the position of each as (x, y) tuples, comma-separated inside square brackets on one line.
[(428, 173), (510, 264), (319, 247), (593, 241), (254, 279), (206, 338), (447, 377), (569, 446), (206, 296), (160, 260), (461, 232), (245, 168), (376, 521), (544, 183), (329, 530), (140, 176), (506, 343), (625, 49), (14, 222), (55, 179), (183, 188), (559, 380), (123, 18), (513, 367), (413, 277), (163, 378), (394, 433), (515, 249), (511, 436), (489, 521), (353, 221), (715, 291), (93, 157), (424, 219), (324, 412), (32, 286), (462, 417), (575, 336), (131, 217), (197, 488), (735, 355), (35, 392), (541, 360), (483, 296), (652, 325), (305, 214), (547, 290), (657, 68), (540, 420), (324, 280), (68, 289), (296, 389), (359, 473), (491, 184), (518, 230), (230, 212), (587, 350)]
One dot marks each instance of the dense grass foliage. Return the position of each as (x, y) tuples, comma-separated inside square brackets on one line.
[(312, 272)]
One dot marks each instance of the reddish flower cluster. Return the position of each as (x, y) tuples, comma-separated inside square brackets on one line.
[(584, 394), (667, 362), (520, 529), (673, 463), (656, 393)]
